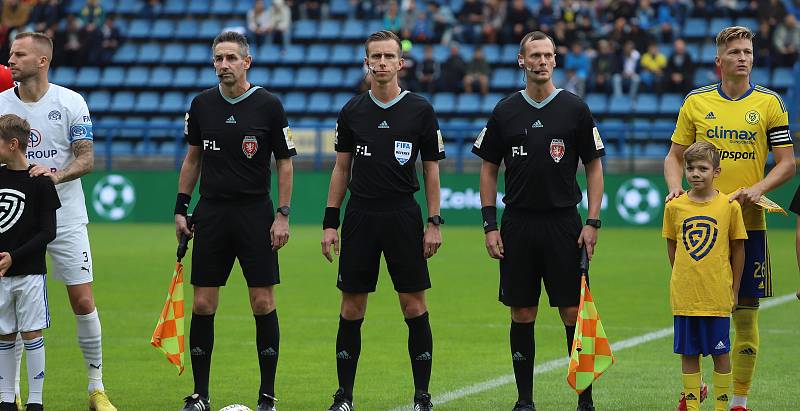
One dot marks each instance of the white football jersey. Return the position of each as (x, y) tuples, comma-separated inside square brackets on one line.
[(57, 119)]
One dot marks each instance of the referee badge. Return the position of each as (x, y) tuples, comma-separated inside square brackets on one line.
[(557, 149), (402, 151), (249, 146)]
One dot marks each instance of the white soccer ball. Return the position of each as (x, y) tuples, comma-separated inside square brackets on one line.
[(638, 201), (236, 407), (113, 197)]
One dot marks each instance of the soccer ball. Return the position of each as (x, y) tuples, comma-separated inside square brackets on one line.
[(113, 197), (638, 201), (236, 407)]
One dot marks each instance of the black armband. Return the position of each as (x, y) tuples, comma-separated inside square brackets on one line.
[(489, 218), (182, 204), (331, 219)]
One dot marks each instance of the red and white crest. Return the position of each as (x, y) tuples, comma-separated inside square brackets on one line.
[(249, 146), (557, 149)]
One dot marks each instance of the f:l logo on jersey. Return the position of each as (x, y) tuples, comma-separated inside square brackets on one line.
[(402, 151), (557, 149), (249, 146)]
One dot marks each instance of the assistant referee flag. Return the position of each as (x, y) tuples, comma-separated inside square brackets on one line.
[(168, 335)]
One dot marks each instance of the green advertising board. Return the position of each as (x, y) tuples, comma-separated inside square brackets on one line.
[(149, 196)]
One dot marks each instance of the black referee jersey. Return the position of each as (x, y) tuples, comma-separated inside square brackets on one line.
[(540, 144), (238, 136), (385, 140)]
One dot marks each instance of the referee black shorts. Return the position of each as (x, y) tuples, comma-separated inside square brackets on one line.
[(540, 246), (224, 231), (392, 227)]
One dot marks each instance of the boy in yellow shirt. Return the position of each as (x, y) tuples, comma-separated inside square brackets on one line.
[(705, 242)]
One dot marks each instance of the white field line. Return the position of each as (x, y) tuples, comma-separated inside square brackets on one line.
[(562, 362)]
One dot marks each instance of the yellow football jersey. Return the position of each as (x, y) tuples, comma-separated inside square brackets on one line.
[(702, 279), (742, 130)]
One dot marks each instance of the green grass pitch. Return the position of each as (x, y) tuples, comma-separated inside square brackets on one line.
[(630, 274)]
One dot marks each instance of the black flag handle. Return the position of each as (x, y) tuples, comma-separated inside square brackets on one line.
[(183, 243), (584, 261)]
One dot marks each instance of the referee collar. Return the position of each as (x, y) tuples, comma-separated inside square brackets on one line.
[(389, 104), (240, 98), (544, 102), (746, 93)]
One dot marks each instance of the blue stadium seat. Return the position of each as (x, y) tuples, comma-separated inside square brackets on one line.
[(235, 23), (353, 30), (307, 77), (559, 78), (294, 54), (64, 76), (185, 77), (783, 78), (295, 102), (504, 79), (646, 104), (704, 77), (173, 102), (268, 53), (282, 77), (694, 50), (492, 53), (329, 30), (137, 77), (343, 54), (128, 8), (222, 7), (640, 130), (319, 102), (199, 54), (199, 7), (748, 22), (760, 76), (126, 54), (186, 29), (147, 102), (612, 130), (122, 102), (373, 26), (441, 52), (138, 29), (695, 28), (655, 149), (444, 102), (88, 77), (259, 76), (174, 8), (340, 99), (509, 55), (332, 77), (663, 129), (161, 77), (598, 103), (242, 7), (99, 100), (209, 28), (468, 103), (174, 53), (318, 53), (304, 30), (620, 105), (162, 29), (719, 23), (149, 53), (708, 53), (466, 51), (112, 77), (352, 76), (208, 78), (339, 8), (489, 101), (670, 104)]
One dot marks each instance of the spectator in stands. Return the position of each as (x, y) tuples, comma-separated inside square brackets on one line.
[(443, 22), (641, 39), (151, 9), (562, 37), (362, 9), (257, 23), (470, 19), (16, 14), (70, 43), (279, 21), (630, 67), (478, 71), (605, 66), (392, 19), (703, 9), (646, 15), (578, 60), (104, 43), (786, 40), (45, 14), (419, 28), (428, 71), (727, 8), (763, 47), (519, 19), (771, 11), (671, 13), (680, 69), (311, 9), (92, 16), (407, 76), (495, 11), (653, 63), (547, 16), (573, 83), (453, 71)]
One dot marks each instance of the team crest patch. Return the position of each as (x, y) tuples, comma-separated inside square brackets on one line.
[(752, 117), (402, 151), (249, 146), (287, 135), (35, 138), (699, 236), (54, 115), (557, 149)]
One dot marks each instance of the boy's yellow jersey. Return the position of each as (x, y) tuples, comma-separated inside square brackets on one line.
[(742, 130)]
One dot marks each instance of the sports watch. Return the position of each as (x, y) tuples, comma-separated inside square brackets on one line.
[(593, 222), (436, 220), (285, 210)]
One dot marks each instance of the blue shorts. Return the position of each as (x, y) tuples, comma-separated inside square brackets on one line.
[(757, 273), (702, 335)]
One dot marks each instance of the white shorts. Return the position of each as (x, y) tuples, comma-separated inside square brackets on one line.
[(23, 304), (71, 255)]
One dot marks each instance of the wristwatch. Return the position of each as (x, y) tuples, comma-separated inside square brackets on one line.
[(593, 222), (285, 210), (436, 220)]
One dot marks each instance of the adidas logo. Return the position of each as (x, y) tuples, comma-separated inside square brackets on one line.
[(39, 376), (343, 355), (426, 356), (691, 397), (748, 351), (723, 397), (197, 351), (537, 124), (231, 120), (269, 352), (517, 356), (720, 346), (383, 124), (711, 116)]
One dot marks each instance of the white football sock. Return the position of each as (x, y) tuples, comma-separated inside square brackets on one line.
[(7, 371), (89, 340), (18, 357), (34, 352), (739, 400)]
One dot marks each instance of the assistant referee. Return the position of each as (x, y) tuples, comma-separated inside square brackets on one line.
[(232, 131), (540, 133)]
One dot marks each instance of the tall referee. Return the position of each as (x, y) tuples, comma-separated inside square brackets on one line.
[(379, 135), (540, 133), (232, 131)]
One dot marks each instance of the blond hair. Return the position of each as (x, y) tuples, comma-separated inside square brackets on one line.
[(729, 34), (701, 151), (14, 127), (383, 35)]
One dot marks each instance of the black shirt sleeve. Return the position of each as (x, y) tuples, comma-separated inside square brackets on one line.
[(590, 145), (191, 130), (795, 206), (45, 218), (344, 140), (280, 133), (432, 144), (488, 145)]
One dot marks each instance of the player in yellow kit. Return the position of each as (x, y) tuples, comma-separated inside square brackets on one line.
[(744, 122)]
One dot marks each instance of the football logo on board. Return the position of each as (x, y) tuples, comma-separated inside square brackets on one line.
[(12, 204), (699, 236), (249, 146), (557, 149), (402, 151)]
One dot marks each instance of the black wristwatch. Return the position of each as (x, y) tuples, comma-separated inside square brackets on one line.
[(593, 222), (436, 220), (285, 210)]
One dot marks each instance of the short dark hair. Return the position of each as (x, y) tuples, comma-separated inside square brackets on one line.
[(232, 37), (13, 126), (41, 39), (382, 36), (535, 35)]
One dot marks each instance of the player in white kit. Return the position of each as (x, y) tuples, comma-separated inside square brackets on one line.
[(61, 148)]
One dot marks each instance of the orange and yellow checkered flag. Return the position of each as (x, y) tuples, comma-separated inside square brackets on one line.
[(168, 335), (591, 351)]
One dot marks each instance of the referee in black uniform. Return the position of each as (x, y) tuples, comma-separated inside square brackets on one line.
[(540, 133), (379, 135), (232, 131)]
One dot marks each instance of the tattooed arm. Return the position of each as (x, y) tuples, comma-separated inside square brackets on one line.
[(83, 164)]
